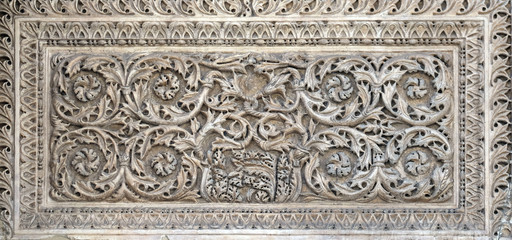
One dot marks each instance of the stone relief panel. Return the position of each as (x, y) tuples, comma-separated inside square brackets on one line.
[(255, 117), (251, 127)]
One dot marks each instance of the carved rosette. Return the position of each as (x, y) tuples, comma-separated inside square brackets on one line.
[(252, 128), (86, 165), (417, 89)]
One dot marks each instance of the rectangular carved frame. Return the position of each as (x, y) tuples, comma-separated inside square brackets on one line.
[(481, 32)]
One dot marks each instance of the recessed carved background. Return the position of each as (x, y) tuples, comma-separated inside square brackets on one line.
[(250, 127), (255, 117)]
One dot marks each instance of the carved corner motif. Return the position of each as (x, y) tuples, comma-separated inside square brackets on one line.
[(236, 115)]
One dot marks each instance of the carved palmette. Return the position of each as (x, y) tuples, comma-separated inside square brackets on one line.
[(252, 128)]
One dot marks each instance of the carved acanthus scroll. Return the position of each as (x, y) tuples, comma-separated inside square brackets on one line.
[(252, 127)]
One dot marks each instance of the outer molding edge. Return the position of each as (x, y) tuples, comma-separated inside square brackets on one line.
[(7, 13), (497, 12), (500, 140)]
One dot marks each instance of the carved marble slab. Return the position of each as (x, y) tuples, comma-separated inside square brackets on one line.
[(317, 118)]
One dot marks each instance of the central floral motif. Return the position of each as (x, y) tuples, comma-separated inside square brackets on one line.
[(87, 87), (86, 161), (416, 87), (164, 164), (417, 163), (339, 88), (339, 165), (167, 86)]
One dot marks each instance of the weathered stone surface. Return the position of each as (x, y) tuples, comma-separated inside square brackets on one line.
[(240, 119)]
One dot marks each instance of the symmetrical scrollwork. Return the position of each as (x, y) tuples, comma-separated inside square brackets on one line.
[(246, 128)]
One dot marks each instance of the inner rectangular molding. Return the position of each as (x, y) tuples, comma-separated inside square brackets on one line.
[(284, 126)]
